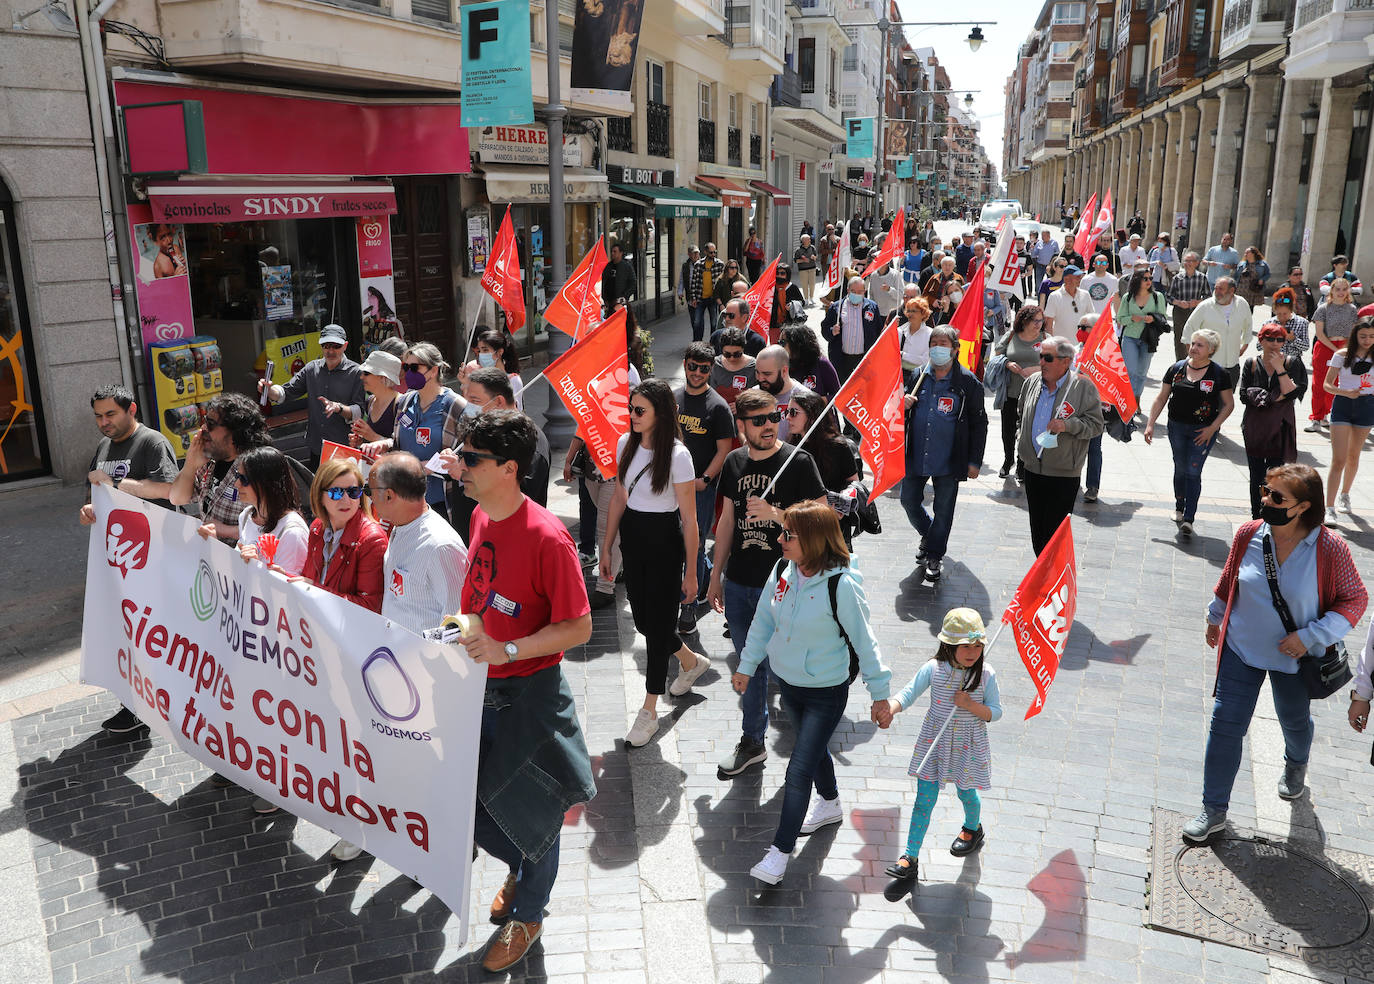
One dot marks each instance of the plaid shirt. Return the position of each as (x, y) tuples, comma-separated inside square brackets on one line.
[(219, 501), (1189, 288), (1302, 335), (717, 271)]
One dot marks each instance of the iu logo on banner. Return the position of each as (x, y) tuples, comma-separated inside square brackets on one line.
[(1101, 361), (1042, 611)]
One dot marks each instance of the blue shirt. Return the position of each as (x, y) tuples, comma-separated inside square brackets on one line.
[(1044, 410), (1217, 255), (1042, 252), (1255, 629), (421, 432), (931, 437), (911, 265)]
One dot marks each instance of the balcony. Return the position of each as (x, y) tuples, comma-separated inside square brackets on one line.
[(787, 88), (1249, 27), (754, 35), (706, 141), (1152, 87), (734, 146), (755, 150), (1185, 37), (1329, 38), (816, 8), (696, 18), (619, 135), (659, 120), (1129, 97)]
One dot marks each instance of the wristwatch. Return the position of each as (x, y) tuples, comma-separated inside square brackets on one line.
[(511, 651)]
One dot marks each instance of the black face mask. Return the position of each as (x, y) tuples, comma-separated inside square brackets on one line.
[(1275, 515)]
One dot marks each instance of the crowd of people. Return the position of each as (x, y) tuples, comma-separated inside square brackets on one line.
[(736, 492)]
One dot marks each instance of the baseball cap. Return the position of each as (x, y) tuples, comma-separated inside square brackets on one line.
[(962, 626), (1072, 270), (1135, 237), (333, 334)]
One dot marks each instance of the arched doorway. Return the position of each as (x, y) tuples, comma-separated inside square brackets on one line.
[(23, 441)]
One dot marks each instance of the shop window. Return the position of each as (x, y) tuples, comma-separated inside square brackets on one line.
[(23, 443)]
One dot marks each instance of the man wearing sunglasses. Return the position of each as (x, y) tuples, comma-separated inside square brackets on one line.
[(736, 315), (747, 546), (232, 425), (330, 382)]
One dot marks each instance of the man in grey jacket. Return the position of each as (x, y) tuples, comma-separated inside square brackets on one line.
[(1060, 413)]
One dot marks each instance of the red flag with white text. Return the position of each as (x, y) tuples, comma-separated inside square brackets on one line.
[(968, 320), (1101, 361), (1042, 610), (1004, 269), (839, 259), (872, 400), (1103, 225), (593, 380), (1083, 238), (761, 297), (501, 279), (576, 309), (892, 248)]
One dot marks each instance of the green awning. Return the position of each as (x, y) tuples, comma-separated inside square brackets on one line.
[(673, 203)]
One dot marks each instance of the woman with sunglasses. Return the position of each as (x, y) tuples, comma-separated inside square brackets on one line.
[(724, 289), (836, 456), (1021, 346), (1054, 279), (1271, 383), (267, 490), (1140, 307), (654, 513), (1320, 590), (347, 546)]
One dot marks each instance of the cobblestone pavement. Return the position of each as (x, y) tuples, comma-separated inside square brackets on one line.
[(122, 863)]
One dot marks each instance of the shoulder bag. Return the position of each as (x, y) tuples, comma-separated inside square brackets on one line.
[(1322, 675)]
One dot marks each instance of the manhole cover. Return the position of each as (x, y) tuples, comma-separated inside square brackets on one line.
[(1279, 896)]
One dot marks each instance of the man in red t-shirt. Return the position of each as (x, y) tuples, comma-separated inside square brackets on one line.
[(525, 582)]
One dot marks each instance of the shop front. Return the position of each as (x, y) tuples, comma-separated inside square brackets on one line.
[(740, 214)]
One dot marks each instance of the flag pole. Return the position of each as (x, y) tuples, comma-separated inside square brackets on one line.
[(936, 740)]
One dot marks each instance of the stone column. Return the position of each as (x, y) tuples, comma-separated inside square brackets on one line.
[(1153, 132), (1131, 153), (1209, 108), (1231, 117), (1162, 217), (1330, 156), (1183, 166), (1255, 162), (1364, 222), (1283, 202)]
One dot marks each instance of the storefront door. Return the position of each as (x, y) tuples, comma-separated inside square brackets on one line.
[(23, 444), (421, 261), (734, 233)]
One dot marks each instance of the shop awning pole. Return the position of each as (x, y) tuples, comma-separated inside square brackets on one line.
[(558, 423)]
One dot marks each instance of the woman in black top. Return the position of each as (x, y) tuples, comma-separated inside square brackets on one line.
[(836, 457), (806, 365), (1270, 384), (1198, 392)]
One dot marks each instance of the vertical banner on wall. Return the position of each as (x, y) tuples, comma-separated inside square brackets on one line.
[(162, 287), (605, 39), (859, 138), (375, 284), (496, 64)]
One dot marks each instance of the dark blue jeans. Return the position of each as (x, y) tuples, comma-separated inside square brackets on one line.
[(534, 878), (586, 519), (706, 514), (1093, 479), (1238, 687), (815, 713), (703, 319), (1188, 461), (934, 529), (740, 603)]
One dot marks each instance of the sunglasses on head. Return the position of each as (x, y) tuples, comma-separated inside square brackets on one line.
[(414, 367), (698, 366), (337, 492), (638, 410), (759, 419)]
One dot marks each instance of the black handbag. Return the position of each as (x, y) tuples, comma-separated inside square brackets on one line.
[(1322, 675)]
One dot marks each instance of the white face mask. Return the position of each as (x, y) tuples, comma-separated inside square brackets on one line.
[(856, 299)]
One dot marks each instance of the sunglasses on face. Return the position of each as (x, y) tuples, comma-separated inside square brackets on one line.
[(212, 424), (732, 353), (759, 419), (787, 534), (730, 314), (1047, 357), (637, 410), (331, 346), (337, 492), (795, 412), (371, 491), (240, 480), (470, 458), (414, 367), (698, 366), (1276, 496)]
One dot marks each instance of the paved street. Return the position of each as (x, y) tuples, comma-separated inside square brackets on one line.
[(122, 863)]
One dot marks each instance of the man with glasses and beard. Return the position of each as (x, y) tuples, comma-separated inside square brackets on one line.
[(747, 545), (209, 477)]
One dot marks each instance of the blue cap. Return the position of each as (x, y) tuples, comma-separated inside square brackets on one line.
[(1071, 269)]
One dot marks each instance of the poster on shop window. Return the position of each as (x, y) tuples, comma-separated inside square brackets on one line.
[(605, 39), (277, 298)]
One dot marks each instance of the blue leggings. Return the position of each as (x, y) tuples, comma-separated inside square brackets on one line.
[(927, 793)]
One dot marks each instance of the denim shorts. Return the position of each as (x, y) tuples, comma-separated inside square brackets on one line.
[(1358, 412)]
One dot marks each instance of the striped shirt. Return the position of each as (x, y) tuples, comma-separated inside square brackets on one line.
[(1189, 287), (423, 573)]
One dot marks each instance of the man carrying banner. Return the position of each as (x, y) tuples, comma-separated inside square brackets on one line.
[(1060, 412), (525, 583), (946, 431), (232, 425)]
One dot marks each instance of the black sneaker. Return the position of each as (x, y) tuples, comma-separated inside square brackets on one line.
[(921, 553), (746, 753), (602, 599), (687, 618), (122, 723), (933, 570)]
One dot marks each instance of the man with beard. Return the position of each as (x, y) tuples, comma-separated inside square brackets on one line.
[(771, 369), (209, 477), (747, 545), (334, 385)]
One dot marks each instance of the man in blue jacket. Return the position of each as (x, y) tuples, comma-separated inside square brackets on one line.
[(946, 431), (850, 327)]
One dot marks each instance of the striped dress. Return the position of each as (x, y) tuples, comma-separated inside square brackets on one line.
[(961, 756)]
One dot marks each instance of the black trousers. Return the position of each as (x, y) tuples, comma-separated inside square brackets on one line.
[(652, 556), (1048, 500), (1258, 468), (1010, 414)]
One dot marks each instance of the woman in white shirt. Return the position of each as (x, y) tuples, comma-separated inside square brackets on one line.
[(654, 507), (267, 488)]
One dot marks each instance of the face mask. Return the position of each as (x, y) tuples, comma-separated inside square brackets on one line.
[(471, 410), (415, 380), (486, 359), (855, 299), (940, 355), (1275, 515)]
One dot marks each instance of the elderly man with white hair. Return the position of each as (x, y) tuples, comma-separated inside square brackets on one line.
[(850, 327)]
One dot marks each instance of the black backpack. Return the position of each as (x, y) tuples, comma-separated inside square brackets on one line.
[(833, 587)]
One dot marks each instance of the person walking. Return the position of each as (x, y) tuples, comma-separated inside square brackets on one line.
[(1100, 284), (1221, 260), (1133, 253), (1165, 261), (811, 631), (654, 507), (232, 424), (915, 338), (851, 325), (684, 277), (1350, 383), (1140, 315), (1334, 322), (1042, 252), (1271, 382), (963, 689), (1054, 279), (1228, 316), (346, 552), (1199, 396), (333, 379), (805, 363), (381, 375), (1340, 270), (1252, 276), (1304, 303), (1021, 346), (804, 258), (1289, 588), (1067, 303), (1297, 330), (701, 298), (617, 281), (753, 254), (1186, 291)]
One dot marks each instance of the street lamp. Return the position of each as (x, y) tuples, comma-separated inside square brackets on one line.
[(1359, 115), (1271, 132), (1308, 118), (975, 38)]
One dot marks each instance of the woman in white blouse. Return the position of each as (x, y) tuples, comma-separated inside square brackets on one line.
[(268, 491), (654, 510)]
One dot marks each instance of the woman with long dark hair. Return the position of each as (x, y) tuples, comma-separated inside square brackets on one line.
[(1140, 307), (267, 489), (496, 347), (654, 506), (807, 365)]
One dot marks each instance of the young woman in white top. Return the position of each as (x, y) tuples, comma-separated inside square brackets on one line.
[(654, 507), (1350, 383), (268, 490)]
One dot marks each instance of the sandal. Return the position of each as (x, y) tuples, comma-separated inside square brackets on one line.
[(903, 869)]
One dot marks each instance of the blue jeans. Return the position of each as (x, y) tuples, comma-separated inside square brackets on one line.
[(706, 514), (703, 318), (535, 879), (1137, 358), (740, 603), (586, 519), (1094, 476), (934, 529), (1238, 687), (1188, 461), (815, 713)]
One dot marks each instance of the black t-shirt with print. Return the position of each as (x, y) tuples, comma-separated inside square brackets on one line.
[(1195, 403), (705, 418), (754, 549), (144, 454)]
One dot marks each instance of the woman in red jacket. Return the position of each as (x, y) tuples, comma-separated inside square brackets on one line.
[(346, 548)]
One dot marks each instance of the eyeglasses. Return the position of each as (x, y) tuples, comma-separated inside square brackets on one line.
[(732, 353), (788, 535), (698, 366), (337, 492), (1276, 496), (414, 367), (638, 410), (470, 458), (331, 345), (794, 412), (730, 314), (211, 423), (759, 419), (1047, 357)]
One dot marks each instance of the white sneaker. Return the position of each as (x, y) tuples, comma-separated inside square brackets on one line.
[(823, 813), (1331, 518), (644, 728), (773, 866), (1185, 530), (1343, 500), (345, 851), (685, 678)]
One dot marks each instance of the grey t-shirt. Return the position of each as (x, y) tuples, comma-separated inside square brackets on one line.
[(144, 454)]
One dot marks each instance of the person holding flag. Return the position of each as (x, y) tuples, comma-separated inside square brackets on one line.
[(851, 326), (946, 432)]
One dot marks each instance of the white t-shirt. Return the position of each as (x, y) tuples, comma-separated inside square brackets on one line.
[(1348, 380), (643, 498), (293, 538), (1066, 310), (916, 348), (1101, 289), (1130, 256)]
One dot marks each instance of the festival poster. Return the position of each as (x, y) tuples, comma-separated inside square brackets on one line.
[(497, 85), (316, 704), (605, 39), (278, 299)]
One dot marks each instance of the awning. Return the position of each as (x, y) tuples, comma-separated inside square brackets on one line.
[(250, 200), (857, 189), (531, 184), (731, 194), (779, 196), (671, 203)]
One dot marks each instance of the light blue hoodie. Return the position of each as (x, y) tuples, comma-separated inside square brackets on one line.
[(795, 631)]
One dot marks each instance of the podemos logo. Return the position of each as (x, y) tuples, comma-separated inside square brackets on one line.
[(388, 687)]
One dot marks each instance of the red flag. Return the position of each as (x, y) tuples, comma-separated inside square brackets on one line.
[(872, 400), (1104, 219), (593, 380), (1101, 361), (576, 309), (838, 260), (1083, 240), (893, 247), (1041, 613), (501, 279), (968, 320), (761, 297)]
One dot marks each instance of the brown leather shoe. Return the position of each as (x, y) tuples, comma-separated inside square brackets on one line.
[(512, 945), (504, 903)]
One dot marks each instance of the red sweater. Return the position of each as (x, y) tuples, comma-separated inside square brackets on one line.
[(355, 572)]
